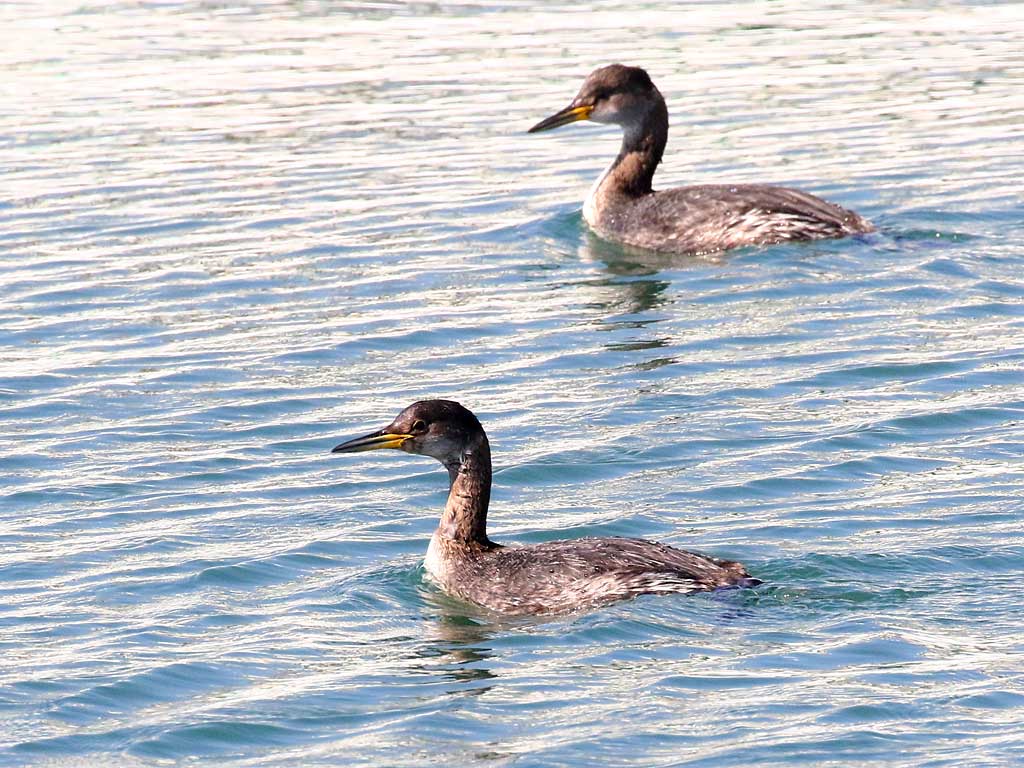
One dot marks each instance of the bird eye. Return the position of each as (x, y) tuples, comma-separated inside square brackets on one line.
[(419, 426)]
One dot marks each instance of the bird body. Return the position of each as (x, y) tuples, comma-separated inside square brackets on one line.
[(717, 217), (623, 206), (553, 577), (572, 574)]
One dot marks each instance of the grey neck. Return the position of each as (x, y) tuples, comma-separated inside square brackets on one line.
[(465, 514), (643, 144)]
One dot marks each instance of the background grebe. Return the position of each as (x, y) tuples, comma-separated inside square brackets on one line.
[(622, 206), (554, 577)]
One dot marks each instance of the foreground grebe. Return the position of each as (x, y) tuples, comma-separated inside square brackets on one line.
[(554, 577), (622, 206)]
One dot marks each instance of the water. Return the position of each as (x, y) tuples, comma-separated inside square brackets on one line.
[(231, 237)]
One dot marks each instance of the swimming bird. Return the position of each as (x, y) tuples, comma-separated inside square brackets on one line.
[(553, 577), (623, 207)]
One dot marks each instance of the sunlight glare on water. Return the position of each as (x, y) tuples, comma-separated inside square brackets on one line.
[(232, 236)]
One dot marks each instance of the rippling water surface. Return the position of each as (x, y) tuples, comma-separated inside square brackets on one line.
[(231, 236)]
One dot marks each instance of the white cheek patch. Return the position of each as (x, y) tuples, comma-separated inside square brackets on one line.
[(603, 113)]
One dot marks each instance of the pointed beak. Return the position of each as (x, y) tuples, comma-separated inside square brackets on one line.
[(570, 114), (371, 442)]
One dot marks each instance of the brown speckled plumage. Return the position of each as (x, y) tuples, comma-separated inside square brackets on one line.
[(554, 577), (623, 206)]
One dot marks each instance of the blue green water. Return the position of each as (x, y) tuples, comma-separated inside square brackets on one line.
[(231, 237)]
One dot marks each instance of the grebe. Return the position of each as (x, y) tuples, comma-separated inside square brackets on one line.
[(622, 206), (554, 577)]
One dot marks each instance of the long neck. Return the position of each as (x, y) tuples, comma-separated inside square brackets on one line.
[(643, 144), (465, 514)]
